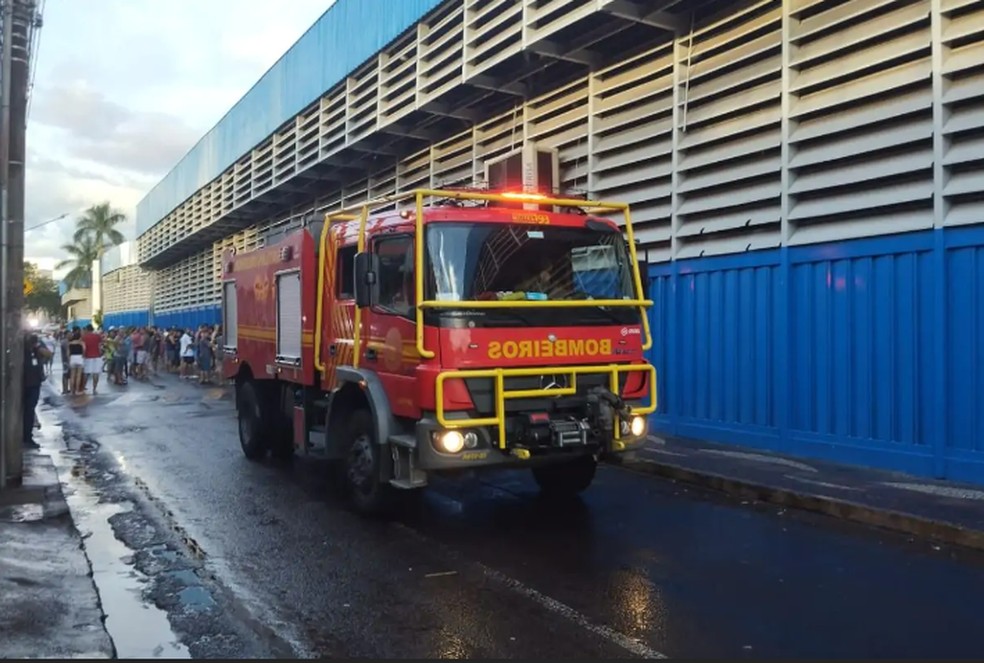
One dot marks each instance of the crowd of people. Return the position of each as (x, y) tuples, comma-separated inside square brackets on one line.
[(122, 353), (133, 353)]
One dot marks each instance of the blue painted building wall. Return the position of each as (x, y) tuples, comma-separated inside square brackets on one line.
[(865, 352), (345, 36)]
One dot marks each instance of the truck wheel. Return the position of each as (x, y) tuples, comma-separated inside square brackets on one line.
[(253, 425), (566, 479), (368, 493)]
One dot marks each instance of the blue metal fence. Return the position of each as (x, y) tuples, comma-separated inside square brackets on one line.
[(185, 319), (189, 318), (865, 352), (126, 319)]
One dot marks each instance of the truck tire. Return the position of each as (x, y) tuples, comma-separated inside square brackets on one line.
[(368, 493), (567, 479), (254, 425)]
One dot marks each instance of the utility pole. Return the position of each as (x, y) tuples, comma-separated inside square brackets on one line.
[(18, 21)]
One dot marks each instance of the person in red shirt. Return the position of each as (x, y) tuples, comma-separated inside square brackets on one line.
[(93, 355)]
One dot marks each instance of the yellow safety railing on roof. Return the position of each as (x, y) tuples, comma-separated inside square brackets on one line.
[(501, 394), (362, 212)]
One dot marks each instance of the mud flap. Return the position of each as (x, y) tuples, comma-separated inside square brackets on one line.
[(300, 429)]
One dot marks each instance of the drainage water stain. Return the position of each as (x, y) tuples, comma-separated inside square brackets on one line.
[(196, 598), (186, 577), (138, 629)]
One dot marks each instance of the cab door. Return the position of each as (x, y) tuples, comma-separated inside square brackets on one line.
[(339, 306), (390, 347)]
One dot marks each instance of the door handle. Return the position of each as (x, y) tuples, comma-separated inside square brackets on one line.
[(333, 349)]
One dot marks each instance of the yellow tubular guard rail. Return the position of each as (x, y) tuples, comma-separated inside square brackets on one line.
[(499, 376), (362, 212)]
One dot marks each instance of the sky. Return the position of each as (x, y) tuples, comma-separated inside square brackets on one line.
[(124, 88)]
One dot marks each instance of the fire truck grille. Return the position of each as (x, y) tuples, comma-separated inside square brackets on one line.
[(482, 394)]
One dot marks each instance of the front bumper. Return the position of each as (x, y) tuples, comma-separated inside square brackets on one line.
[(488, 454)]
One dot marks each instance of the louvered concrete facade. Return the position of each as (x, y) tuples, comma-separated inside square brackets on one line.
[(126, 296), (126, 288), (807, 178)]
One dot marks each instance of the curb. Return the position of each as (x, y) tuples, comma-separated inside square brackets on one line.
[(838, 508), (41, 474)]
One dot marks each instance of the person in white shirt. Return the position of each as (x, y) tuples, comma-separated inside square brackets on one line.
[(187, 356)]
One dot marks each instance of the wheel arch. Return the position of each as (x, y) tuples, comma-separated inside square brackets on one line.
[(364, 389)]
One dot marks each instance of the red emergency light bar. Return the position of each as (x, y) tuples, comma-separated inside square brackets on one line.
[(523, 196)]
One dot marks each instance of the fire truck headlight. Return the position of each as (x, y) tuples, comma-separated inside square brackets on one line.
[(451, 441), (637, 426)]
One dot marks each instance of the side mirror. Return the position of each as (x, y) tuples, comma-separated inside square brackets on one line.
[(366, 283)]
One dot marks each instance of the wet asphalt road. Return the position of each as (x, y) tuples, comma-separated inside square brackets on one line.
[(639, 567)]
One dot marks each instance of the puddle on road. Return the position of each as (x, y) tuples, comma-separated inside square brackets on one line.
[(138, 628)]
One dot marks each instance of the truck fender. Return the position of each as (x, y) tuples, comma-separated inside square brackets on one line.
[(376, 395)]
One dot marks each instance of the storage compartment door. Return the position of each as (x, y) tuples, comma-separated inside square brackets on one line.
[(230, 316), (289, 317)]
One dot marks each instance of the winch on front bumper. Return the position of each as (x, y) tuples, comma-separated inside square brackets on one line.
[(520, 423)]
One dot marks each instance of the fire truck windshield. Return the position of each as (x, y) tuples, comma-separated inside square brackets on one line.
[(491, 261)]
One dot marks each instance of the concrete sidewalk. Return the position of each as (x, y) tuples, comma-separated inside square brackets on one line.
[(49, 606), (940, 510)]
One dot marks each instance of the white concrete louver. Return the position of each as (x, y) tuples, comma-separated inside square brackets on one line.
[(783, 122)]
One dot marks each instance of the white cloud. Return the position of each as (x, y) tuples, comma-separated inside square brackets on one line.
[(123, 88)]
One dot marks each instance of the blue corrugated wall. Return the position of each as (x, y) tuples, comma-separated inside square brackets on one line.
[(186, 319), (345, 36), (865, 352), (126, 319), (189, 318)]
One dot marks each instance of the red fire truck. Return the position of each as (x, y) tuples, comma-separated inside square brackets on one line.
[(467, 330)]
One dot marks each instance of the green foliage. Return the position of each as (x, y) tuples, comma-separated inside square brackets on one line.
[(95, 231), (100, 223), (82, 254), (40, 292)]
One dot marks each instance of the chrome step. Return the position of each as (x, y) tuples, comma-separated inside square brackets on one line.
[(405, 474)]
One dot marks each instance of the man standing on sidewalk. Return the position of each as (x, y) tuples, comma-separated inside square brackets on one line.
[(35, 357), (187, 355), (93, 355)]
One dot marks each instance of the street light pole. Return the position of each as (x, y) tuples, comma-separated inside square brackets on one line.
[(10, 456)]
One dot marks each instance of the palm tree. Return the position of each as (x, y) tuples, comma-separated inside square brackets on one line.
[(82, 254), (99, 223)]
